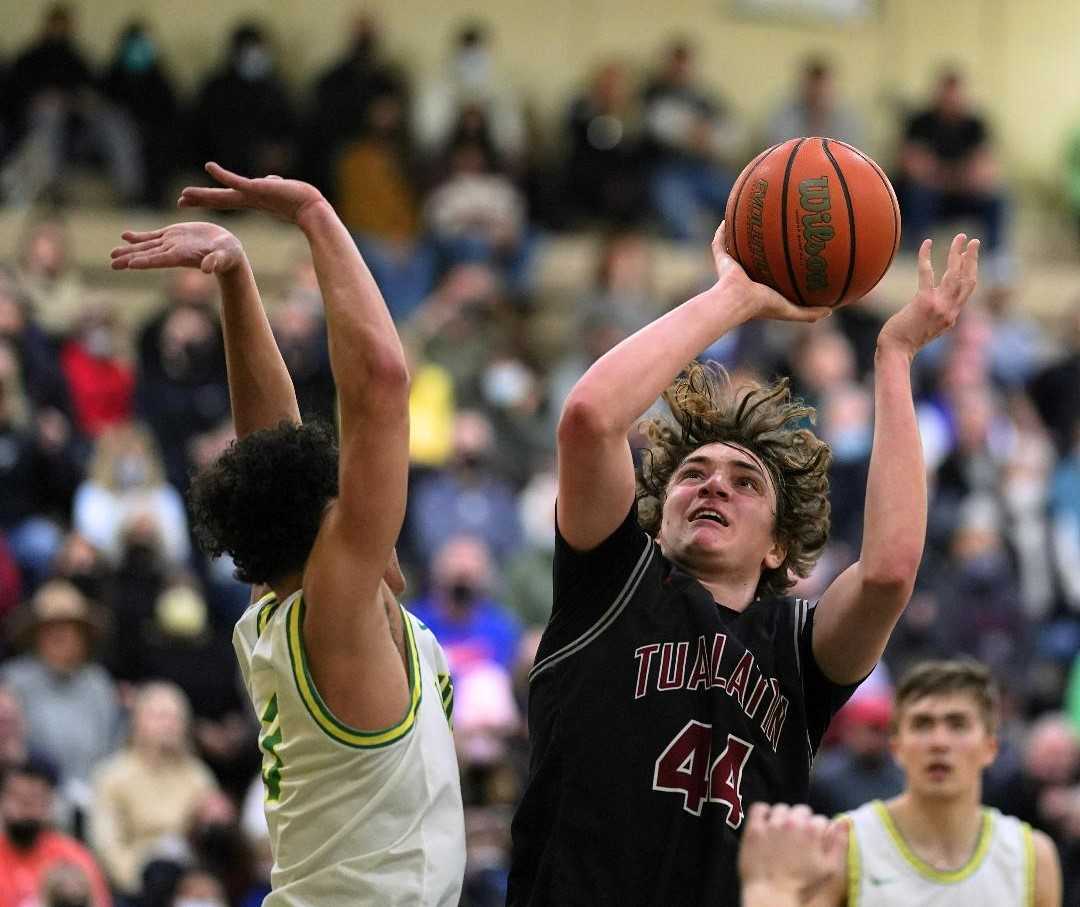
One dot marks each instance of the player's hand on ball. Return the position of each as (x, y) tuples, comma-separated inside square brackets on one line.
[(280, 198), (789, 849), (934, 309), (209, 247), (767, 302)]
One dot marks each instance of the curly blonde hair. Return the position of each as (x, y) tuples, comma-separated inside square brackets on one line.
[(764, 419)]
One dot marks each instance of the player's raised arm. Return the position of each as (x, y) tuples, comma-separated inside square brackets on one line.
[(356, 667), (596, 474), (260, 390), (859, 610)]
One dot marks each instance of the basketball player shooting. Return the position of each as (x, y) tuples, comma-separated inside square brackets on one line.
[(362, 794), (676, 683)]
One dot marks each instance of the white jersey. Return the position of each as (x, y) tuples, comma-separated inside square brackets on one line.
[(355, 817), (883, 871)]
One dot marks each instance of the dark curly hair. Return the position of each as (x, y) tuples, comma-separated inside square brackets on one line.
[(262, 501), (764, 419)]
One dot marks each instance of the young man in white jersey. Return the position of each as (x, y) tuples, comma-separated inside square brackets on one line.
[(353, 693), (935, 845)]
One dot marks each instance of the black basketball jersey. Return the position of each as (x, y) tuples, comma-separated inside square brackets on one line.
[(656, 717)]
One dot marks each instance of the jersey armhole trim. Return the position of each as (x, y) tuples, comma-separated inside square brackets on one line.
[(1029, 864), (982, 846), (318, 709), (606, 619), (854, 864), (266, 605)]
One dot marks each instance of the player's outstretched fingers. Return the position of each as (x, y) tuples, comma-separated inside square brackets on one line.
[(926, 265), (136, 236), (199, 197), (134, 247), (226, 177)]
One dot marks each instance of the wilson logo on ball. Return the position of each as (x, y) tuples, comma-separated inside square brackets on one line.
[(815, 219), (814, 197)]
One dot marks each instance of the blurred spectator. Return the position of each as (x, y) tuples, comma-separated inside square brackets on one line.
[(66, 885), (59, 116), (139, 84), (694, 140), (70, 703), (477, 214), (300, 333), (10, 581), (949, 170), (605, 176), (242, 117), (1055, 390), (42, 379), (181, 390), (1017, 341), (373, 177), (101, 382), (341, 100), (218, 845), (625, 283), (1065, 530), (198, 887), (126, 482), (460, 324), (981, 613), (48, 275), (813, 110), (1072, 174), (469, 82), (39, 471), (861, 767), (516, 402), (150, 790), (82, 565), (473, 628), (32, 853), (599, 330), (466, 498), (528, 575), (14, 749)]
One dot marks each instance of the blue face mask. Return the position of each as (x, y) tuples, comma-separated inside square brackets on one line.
[(850, 445), (139, 54)]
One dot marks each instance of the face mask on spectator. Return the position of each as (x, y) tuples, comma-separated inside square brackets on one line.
[(99, 342), (197, 902), (253, 63), (23, 833), (849, 445), (139, 54), (474, 67), (463, 594), (130, 472), (63, 901), (506, 384)]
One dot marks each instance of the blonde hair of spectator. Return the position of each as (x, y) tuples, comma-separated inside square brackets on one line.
[(115, 442)]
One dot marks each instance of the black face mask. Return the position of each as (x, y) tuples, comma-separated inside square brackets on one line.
[(462, 594), (62, 901), (23, 833)]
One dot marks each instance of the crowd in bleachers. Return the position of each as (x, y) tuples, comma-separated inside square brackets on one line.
[(123, 724)]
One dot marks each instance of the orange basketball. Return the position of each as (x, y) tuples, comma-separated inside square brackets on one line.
[(815, 219)]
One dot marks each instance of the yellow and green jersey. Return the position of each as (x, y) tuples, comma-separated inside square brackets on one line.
[(355, 816)]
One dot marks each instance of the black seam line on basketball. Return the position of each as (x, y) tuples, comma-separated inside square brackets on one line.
[(783, 220), (890, 192), (851, 219), (754, 164), (606, 619)]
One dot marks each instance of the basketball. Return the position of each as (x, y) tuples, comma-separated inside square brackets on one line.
[(815, 219)]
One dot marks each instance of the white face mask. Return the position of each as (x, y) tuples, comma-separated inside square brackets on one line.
[(198, 902)]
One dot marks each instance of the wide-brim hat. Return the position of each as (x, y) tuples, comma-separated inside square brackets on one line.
[(57, 601)]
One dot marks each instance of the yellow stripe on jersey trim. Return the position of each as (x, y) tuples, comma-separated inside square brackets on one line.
[(1029, 864), (318, 709), (267, 605), (925, 869), (854, 864)]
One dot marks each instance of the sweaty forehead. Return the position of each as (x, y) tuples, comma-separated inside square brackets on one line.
[(725, 452)]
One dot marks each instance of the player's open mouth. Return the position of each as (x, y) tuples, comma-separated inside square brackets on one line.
[(713, 516), (938, 770)]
